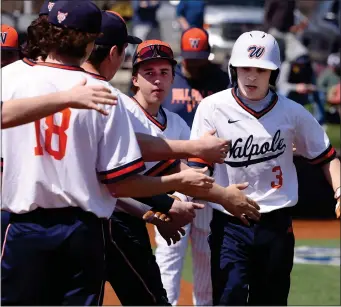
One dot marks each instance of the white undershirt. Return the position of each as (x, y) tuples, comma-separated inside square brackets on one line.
[(256, 105)]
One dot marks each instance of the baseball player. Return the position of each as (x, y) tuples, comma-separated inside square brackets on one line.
[(129, 234), (9, 53), (251, 264), (21, 111), (9, 45), (104, 62), (195, 78), (77, 161)]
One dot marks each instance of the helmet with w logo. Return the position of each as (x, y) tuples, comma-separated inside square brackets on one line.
[(256, 49)]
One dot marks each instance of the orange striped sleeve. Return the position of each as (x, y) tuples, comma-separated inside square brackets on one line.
[(122, 172), (197, 162), (162, 167), (325, 157)]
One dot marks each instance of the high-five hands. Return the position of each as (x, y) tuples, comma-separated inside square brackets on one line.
[(212, 149)]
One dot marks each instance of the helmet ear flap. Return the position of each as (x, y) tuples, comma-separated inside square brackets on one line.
[(233, 75), (273, 77)]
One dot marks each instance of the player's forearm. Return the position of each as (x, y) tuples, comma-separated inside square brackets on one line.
[(217, 194), (22, 111), (144, 186), (331, 171), (132, 206), (156, 148)]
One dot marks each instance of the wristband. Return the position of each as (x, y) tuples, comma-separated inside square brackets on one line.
[(161, 203), (182, 197), (337, 193)]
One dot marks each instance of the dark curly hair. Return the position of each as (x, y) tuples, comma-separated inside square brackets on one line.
[(64, 41), (36, 34)]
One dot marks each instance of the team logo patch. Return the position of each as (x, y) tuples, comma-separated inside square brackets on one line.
[(50, 6), (255, 51), (61, 16), (194, 42), (3, 37)]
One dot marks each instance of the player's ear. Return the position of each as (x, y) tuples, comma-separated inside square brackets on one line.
[(135, 81), (113, 53)]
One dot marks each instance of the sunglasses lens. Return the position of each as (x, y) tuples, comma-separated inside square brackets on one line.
[(166, 52), (146, 53)]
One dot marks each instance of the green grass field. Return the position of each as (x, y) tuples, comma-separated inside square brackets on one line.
[(333, 131), (313, 285)]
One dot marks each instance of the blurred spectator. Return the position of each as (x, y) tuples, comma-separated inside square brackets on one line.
[(297, 79), (334, 12), (334, 98), (331, 75), (9, 45), (195, 77), (279, 19), (145, 23), (122, 7), (279, 14), (190, 14)]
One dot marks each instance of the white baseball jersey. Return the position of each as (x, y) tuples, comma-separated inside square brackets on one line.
[(67, 158), (12, 72), (167, 125), (261, 151)]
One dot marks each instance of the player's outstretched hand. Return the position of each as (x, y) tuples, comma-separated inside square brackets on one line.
[(171, 232), (183, 212), (240, 205), (212, 149), (190, 180), (337, 209), (84, 96)]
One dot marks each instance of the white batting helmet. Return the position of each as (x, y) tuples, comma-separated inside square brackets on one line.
[(255, 49)]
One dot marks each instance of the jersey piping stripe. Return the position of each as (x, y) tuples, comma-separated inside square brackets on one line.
[(96, 76), (122, 172), (151, 118), (328, 155), (129, 264), (61, 66), (162, 167), (259, 114), (2, 164), (5, 240), (29, 62)]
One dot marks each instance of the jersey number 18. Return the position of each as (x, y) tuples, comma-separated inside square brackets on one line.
[(53, 129)]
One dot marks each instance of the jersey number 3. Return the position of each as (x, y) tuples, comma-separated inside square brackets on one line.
[(53, 129), (277, 184)]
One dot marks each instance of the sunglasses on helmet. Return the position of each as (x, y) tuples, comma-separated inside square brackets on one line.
[(155, 51)]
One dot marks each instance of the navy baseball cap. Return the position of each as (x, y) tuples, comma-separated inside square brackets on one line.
[(115, 31), (194, 44), (47, 7), (83, 16)]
